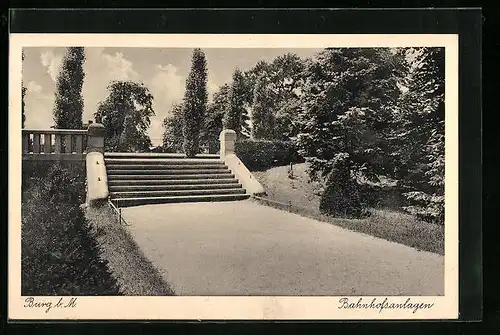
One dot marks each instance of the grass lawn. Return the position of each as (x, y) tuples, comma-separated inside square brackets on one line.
[(302, 195), (132, 270)]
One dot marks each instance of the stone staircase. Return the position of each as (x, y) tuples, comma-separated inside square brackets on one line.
[(153, 178)]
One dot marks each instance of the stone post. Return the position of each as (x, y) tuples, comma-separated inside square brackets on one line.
[(97, 180), (227, 138), (95, 138)]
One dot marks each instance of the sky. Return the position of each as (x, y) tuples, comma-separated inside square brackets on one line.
[(162, 70)]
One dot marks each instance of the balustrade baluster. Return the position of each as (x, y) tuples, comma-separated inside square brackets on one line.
[(79, 144), (68, 148), (47, 146), (36, 143), (26, 142), (57, 146)]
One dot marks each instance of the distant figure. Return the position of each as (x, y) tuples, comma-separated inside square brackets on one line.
[(290, 171)]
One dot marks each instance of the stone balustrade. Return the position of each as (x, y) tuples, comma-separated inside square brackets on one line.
[(54, 144)]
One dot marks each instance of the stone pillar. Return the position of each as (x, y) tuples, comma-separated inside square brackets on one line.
[(95, 138), (97, 181), (227, 138)]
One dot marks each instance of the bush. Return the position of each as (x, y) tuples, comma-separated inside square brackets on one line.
[(386, 197), (59, 253), (343, 199), (260, 155), (34, 172)]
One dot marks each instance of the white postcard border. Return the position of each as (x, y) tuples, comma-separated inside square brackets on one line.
[(228, 307)]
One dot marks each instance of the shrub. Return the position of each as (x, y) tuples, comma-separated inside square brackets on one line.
[(343, 198), (263, 154), (36, 171), (59, 253)]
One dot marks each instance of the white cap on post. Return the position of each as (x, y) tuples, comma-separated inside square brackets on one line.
[(227, 138)]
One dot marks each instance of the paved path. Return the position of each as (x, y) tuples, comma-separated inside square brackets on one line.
[(243, 248)]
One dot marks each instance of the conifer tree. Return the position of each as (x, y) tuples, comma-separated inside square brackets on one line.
[(236, 106), (195, 103), (172, 136), (68, 103), (215, 114), (420, 135), (345, 116)]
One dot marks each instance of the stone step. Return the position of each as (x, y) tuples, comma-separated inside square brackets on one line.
[(166, 182), (157, 155), (126, 202), (167, 171), (140, 188), (144, 194), (165, 167), (170, 177), (162, 161)]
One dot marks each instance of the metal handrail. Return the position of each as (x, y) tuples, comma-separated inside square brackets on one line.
[(289, 206), (118, 212)]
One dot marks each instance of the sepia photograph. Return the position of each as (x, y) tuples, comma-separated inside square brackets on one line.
[(197, 170)]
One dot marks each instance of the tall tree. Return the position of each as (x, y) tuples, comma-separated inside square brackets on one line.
[(173, 139), (236, 106), (126, 115), (285, 76), (419, 134), (195, 103), (346, 112), (23, 93), (68, 103), (215, 114), (263, 121)]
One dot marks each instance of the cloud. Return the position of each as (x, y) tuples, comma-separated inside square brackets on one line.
[(33, 87), (119, 68), (167, 87), (38, 107), (101, 68), (52, 63)]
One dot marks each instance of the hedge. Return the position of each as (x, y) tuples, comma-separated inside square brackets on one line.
[(60, 255), (260, 155)]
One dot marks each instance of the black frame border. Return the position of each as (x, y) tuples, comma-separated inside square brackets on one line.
[(465, 22)]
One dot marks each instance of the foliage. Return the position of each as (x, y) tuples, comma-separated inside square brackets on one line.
[(195, 103), (418, 138), (68, 102), (263, 154), (286, 116), (233, 116), (214, 117), (126, 115), (345, 114), (284, 76), (59, 252), (35, 172), (342, 195), (172, 137), (263, 120)]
